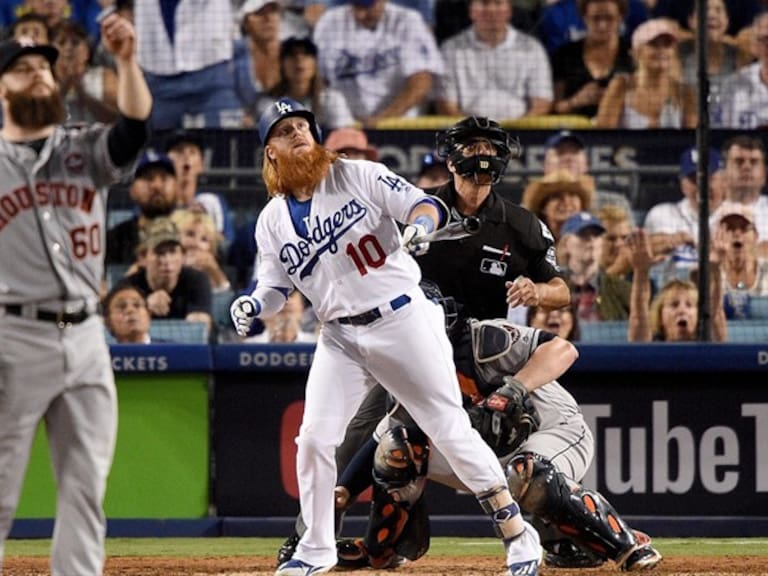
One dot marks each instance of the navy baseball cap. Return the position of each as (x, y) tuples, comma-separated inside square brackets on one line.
[(11, 50), (431, 160), (580, 222), (363, 3), (689, 161), (151, 159), (285, 108), (564, 136)]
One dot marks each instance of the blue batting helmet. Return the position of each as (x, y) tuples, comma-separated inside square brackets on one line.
[(284, 108)]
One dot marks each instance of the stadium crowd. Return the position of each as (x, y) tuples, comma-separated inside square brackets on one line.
[(359, 64)]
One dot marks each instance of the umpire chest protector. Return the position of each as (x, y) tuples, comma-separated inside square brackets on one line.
[(473, 270)]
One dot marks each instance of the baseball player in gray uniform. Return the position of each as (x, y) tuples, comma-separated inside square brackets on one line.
[(508, 376), (54, 362)]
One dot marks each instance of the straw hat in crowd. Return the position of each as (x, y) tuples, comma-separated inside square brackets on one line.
[(558, 182)]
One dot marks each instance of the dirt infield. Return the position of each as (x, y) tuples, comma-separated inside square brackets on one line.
[(429, 566)]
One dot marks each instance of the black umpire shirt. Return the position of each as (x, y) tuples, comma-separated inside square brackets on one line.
[(511, 242)]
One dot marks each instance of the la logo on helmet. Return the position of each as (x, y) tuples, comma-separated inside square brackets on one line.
[(284, 107)]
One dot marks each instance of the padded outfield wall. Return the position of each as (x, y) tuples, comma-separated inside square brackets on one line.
[(681, 430)]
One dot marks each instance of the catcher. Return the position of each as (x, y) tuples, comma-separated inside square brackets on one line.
[(507, 374)]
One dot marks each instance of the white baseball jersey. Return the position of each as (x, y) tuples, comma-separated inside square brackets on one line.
[(745, 99), (494, 81), (370, 66), (52, 234), (202, 35), (344, 253)]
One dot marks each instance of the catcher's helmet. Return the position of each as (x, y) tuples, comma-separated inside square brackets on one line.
[(284, 108), (449, 304), (451, 141)]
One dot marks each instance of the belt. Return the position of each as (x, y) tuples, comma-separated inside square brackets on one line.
[(367, 317), (49, 315)]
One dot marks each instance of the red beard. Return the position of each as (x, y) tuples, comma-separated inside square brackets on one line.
[(297, 172), (35, 112)]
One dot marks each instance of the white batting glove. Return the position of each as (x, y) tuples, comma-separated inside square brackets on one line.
[(244, 311), (411, 234)]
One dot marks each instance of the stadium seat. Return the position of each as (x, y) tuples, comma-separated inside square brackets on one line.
[(747, 331), (605, 332), (115, 272), (179, 331), (758, 308)]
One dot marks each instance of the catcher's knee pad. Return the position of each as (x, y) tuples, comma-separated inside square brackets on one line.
[(400, 463), (583, 515)]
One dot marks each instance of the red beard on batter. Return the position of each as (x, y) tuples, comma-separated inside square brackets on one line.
[(303, 171), (34, 112)]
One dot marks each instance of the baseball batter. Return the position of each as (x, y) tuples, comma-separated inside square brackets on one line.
[(54, 363), (330, 230), (535, 427)]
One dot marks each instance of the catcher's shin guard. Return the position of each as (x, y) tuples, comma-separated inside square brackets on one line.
[(583, 515), (396, 529)]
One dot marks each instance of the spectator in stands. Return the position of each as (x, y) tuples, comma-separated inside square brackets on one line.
[(745, 179), (433, 172), (673, 314), (561, 321), (301, 81), (199, 239), (744, 273), (90, 92), (672, 228), (285, 326), (257, 53), (174, 290), (744, 38), (583, 68), (579, 251), (566, 150), (185, 50), (741, 12), (54, 11), (745, 97), (723, 57), (186, 150), (556, 197), (493, 69), (426, 8), (352, 143), (380, 56), (126, 316), (31, 26), (653, 96), (562, 22), (154, 191)]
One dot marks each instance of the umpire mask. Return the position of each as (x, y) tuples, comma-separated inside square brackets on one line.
[(452, 142)]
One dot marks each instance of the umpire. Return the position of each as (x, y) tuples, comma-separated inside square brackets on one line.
[(511, 260)]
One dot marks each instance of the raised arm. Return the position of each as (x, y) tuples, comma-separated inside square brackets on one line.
[(639, 329), (133, 97)]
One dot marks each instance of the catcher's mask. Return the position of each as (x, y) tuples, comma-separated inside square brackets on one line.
[(449, 304), (451, 142)]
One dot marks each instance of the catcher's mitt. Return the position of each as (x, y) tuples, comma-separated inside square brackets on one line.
[(506, 417)]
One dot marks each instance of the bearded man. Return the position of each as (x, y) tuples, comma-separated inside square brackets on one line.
[(331, 231), (54, 361)]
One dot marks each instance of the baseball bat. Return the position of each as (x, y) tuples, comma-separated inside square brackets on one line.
[(454, 230)]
